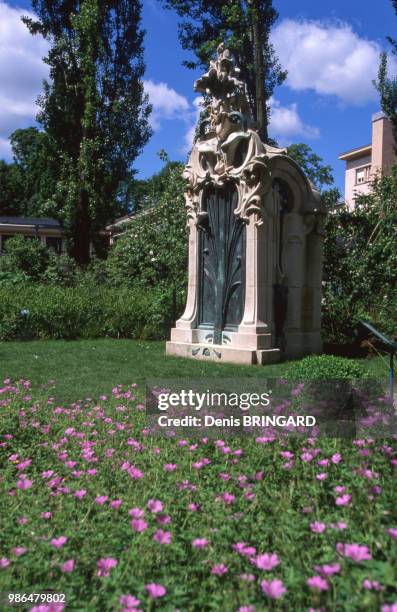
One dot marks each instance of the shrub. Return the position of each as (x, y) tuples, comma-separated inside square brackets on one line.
[(44, 312), (360, 263), (25, 256), (153, 249), (325, 366), (61, 270), (7, 279)]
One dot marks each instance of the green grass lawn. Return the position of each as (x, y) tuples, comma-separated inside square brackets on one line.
[(89, 368)]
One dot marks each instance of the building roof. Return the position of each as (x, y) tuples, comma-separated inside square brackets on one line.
[(131, 217), (46, 222), (357, 152)]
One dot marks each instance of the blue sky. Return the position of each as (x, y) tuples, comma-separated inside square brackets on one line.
[(330, 48)]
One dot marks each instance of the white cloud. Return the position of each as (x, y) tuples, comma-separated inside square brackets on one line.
[(285, 123), (21, 73), (330, 59), (193, 120), (167, 103)]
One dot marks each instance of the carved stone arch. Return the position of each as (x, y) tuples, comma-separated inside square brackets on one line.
[(287, 170)]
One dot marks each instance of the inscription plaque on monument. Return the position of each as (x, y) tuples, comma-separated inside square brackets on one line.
[(255, 228)]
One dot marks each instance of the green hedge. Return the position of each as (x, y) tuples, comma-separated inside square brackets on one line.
[(43, 312), (325, 367)]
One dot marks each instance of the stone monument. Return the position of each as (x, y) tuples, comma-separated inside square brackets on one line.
[(255, 228)]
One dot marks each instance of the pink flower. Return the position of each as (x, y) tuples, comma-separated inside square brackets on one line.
[(24, 483), (317, 583), (227, 498), (19, 550), (219, 570), (339, 526), (193, 507), (200, 543), (129, 601), (354, 551), (247, 577), (392, 533), (101, 500), (68, 566), (266, 561), (317, 527), (80, 493), (104, 566), (46, 515), (155, 505), (243, 549), (343, 500), (170, 467), (4, 562), (273, 589), (135, 473), (322, 476), (328, 569), (59, 542), (389, 608), (136, 512), (116, 503), (24, 464), (138, 525), (246, 609), (47, 474), (155, 590), (371, 585), (162, 537), (337, 458)]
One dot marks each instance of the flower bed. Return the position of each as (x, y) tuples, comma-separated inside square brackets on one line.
[(95, 508)]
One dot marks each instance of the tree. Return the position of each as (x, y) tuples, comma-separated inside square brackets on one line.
[(11, 186), (386, 86), (360, 262), (244, 26), (148, 192), (316, 171), (93, 108), (37, 161)]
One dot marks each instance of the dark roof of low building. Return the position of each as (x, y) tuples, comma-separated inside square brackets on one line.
[(36, 221)]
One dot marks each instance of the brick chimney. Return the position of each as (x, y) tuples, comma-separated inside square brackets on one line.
[(383, 153)]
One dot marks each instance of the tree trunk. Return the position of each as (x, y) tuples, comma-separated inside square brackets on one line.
[(261, 115), (81, 248)]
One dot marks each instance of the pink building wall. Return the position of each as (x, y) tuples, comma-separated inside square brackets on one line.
[(367, 161)]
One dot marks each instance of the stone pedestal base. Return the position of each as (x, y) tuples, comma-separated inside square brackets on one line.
[(227, 354)]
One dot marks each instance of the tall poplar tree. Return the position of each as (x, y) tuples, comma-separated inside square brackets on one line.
[(93, 107), (245, 26), (387, 86)]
